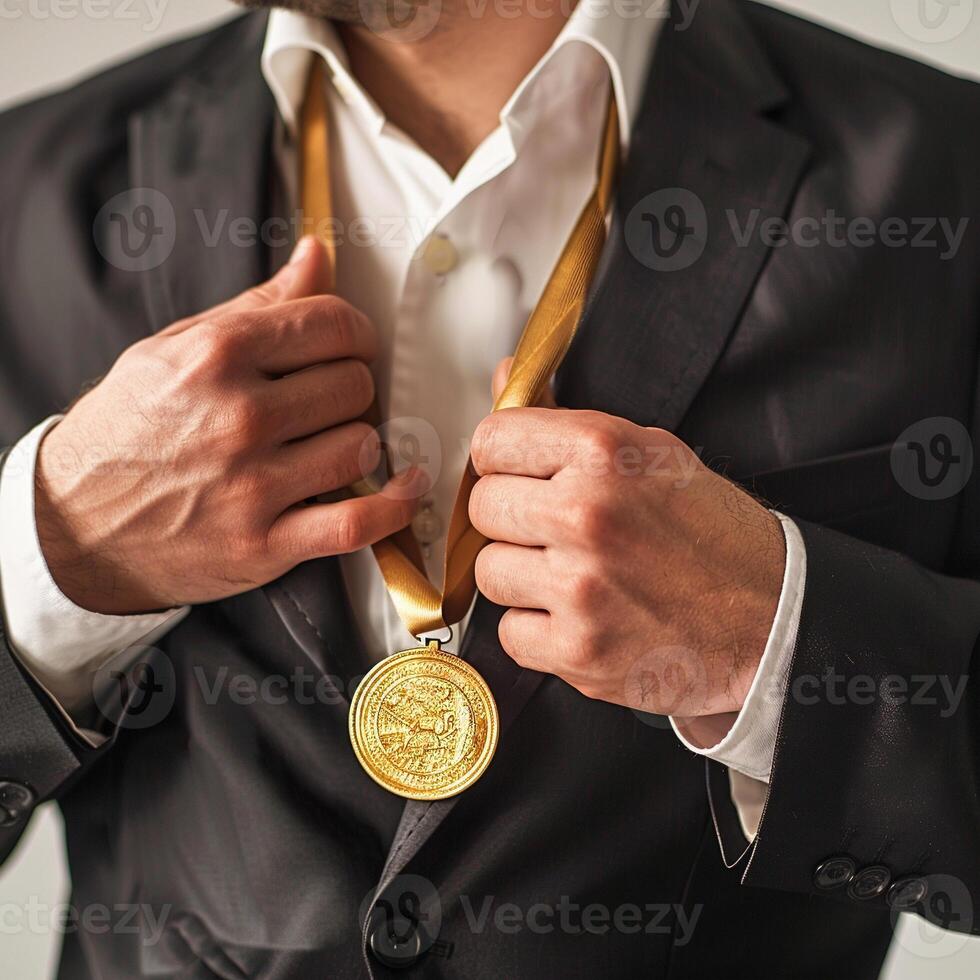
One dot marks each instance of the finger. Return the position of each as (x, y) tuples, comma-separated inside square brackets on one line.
[(306, 274), (502, 373), (305, 331), (516, 509), (525, 635), (318, 398), (319, 530), (326, 461), (513, 576), (538, 441)]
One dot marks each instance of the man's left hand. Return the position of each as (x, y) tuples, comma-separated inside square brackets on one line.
[(633, 572)]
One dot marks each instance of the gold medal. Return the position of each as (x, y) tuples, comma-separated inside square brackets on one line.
[(424, 723)]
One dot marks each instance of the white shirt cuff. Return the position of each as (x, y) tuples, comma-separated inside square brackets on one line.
[(61, 645), (749, 746)]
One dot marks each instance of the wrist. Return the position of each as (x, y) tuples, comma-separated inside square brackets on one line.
[(77, 556)]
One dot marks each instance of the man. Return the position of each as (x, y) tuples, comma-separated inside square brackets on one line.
[(788, 295)]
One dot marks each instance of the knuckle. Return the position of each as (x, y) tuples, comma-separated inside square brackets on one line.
[(265, 293), (339, 321), (348, 531), (211, 346), (598, 440), (481, 498), (483, 570), (347, 329), (244, 418), (362, 385), (245, 547), (581, 591), (512, 641), (366, 449), (484, 440), (353, 391), (591, 519), (661, 437), (581, 651), (492, 582), (363, 439)]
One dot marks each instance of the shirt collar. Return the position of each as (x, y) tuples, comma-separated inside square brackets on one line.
[(624, 35)]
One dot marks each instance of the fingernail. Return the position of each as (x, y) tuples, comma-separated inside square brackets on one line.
[(302, 249)]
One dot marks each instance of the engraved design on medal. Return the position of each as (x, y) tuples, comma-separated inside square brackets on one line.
[(424, 724)]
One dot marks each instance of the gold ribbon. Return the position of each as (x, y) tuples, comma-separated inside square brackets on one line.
[(547, 335)]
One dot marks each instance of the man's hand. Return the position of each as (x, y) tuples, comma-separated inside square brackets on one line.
[(183, 476), (633, 571)]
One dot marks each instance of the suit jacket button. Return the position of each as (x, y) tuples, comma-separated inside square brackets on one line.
[(907, 893), (16, 801), (397, 944), (869, 883), (834, 873)]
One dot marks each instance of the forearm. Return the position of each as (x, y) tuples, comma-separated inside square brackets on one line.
[(875, 759), (63, 646)]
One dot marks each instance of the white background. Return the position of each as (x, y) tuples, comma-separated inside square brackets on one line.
[(46, 43)]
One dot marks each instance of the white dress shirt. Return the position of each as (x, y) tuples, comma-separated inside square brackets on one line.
[(448, 269)]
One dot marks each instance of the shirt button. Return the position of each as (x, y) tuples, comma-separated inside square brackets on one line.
[(427, 524), (440, 255)]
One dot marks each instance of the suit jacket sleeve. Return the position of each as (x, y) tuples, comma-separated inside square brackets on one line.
[(39, 752), (875, 790)]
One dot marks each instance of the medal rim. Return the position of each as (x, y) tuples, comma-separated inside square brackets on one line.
[(493, 722)]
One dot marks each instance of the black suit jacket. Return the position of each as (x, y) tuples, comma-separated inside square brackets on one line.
[(250, 830)]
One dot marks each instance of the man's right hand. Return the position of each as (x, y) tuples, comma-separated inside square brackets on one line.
[(183, 476)]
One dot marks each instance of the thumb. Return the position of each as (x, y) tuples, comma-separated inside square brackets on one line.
[(307, 273), (502, 373)]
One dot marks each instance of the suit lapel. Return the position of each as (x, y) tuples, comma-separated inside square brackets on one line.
[(649, 338), (702, 144), (207, 146)]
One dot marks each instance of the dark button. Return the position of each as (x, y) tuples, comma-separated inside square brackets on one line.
[(869, 883), (834, 873), (906, 893), (396, 943), (16, 801)]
